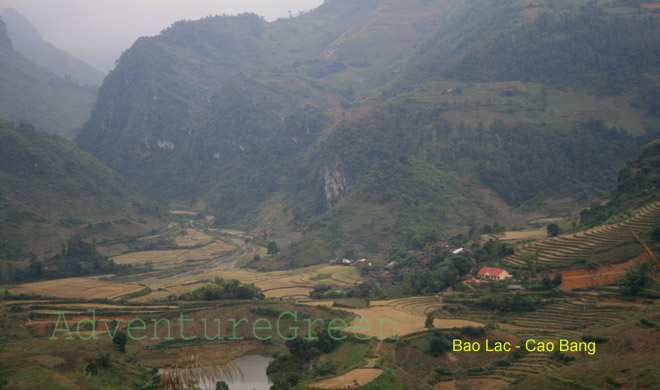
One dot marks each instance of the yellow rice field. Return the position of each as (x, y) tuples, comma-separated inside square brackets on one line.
[(520, 235), (294, 284), (170, 258), (193, 237), (77, 288), (361, 376)]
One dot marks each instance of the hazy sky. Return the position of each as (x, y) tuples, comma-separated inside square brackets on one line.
[(97, 31)]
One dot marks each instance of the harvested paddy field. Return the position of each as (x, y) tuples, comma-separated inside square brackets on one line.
[(164, 259), (406, 323), (294, 284), (193, 237), (361, 376), (472, 384), (182, 212), (77, 288), (520, 235), (601, 244)]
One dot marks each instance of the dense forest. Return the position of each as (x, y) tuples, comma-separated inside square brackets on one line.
[(588, 49)]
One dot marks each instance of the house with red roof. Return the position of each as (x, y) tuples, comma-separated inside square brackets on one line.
[(489, 273)]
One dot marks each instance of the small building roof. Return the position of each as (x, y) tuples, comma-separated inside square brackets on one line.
[(491, 271)]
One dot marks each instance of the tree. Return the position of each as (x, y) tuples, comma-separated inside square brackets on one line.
[(655, 234), (428, 324), (221, 385), (298, 348), (103, 360), (636, 278), (120, 340), (463, 264), (92, 369), (557, 279), (553, 229), (439, 344), (546, 283), (273, 249)]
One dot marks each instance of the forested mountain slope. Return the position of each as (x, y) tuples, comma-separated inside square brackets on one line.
[(50, 189), (364, 124)]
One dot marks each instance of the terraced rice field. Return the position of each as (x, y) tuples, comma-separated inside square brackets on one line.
[(193, 237), (165, 259), (361, 376), (519, 235), (409, 314), (183, 212), (294, 284), (568, 318), (582, 278), (406, 323), (417, 306), (233, 232), (481, 384), (563, 251), (77, 288)]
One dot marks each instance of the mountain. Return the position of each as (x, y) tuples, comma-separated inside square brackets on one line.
[(50, 190), (30, 93), (27, 41), (357, 126), (638, 185)]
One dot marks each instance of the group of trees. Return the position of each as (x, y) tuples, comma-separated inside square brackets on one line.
[(77, 258), (225, 289), (509, 302), (287, 370)]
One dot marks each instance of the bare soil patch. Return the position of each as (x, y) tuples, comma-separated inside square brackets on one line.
[(582, 278)]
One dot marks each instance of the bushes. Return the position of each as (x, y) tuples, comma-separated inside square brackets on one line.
[(439, 344), (473, 331), (636, 278), (351, 303), (509, 302), (221, 289), (265, 311), (588, 338)]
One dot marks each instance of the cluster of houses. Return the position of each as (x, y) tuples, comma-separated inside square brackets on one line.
[(484, 274)]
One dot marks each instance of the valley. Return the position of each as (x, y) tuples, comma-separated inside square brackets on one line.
[(579, 312), (370, 195)]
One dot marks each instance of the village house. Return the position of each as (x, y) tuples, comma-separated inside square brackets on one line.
[(489, 273)]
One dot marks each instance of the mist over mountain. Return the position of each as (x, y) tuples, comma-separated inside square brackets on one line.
[(27, 41), (366, 124), (30, 93)]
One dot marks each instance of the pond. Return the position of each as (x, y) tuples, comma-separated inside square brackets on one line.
[(254, 377)]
